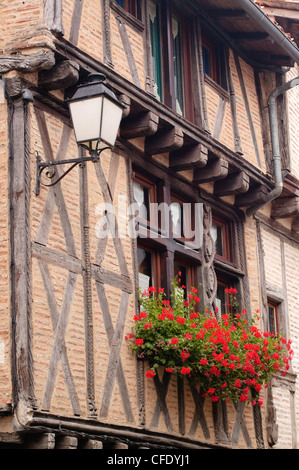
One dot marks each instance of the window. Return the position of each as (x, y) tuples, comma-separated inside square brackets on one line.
[(221, 234), (162, 256), (170, 50), (273, 317), (131, 6), (214, 60)]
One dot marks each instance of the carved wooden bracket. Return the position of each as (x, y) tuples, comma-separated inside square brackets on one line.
[(165, 140), (215, 170), (141, 124), (234, 183), (62, 75), (189, 157), (285, 207)]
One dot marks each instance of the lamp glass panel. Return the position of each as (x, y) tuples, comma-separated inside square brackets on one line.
[(112, 114), (86, 117)]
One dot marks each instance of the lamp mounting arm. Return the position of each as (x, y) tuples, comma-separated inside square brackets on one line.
[(47, 169)]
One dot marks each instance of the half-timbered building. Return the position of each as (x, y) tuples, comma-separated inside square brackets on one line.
[(196, 79)]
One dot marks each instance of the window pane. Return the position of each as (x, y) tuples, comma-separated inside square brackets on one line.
[(154, 21), (178, 65), (142, 197), (121, 3), (145, 276), (217, 235), (206, 61)]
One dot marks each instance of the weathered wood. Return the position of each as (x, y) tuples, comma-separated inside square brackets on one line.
[(63, 352), (61, 76), (60, 331), (20, 254), (138, 125), (43, 441), (295, 224), (88, 310), (247, 107), (285, 207), (240, 426), (199, 416), (234, 183), (219, 119), (76, 21), (189, 157), (41, 60), (215, 170), (128, 51), (161, 407), (255, 195), (115, 344), (165, 140), (57, 191), (53, 15), (66, 442)]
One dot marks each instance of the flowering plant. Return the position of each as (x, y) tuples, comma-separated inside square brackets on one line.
[(226, 358)]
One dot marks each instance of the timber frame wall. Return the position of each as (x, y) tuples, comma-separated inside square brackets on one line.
[(74, 384)]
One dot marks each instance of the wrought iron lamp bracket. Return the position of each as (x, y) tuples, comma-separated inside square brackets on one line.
[(48, 168)]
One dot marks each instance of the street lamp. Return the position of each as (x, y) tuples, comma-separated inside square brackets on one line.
[(96, 114)]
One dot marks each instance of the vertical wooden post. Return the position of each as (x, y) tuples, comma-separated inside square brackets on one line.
[(20, 250)]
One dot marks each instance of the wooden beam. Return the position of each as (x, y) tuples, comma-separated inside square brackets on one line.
[(41, 60), (166, 140), (254, 195), (61, 76), (251, 36), (285, 207), (138, 125), (234, 183), (295, 224), (213, 171), (188, 157)]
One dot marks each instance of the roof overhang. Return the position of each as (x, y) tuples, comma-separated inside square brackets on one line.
[(248, 30)]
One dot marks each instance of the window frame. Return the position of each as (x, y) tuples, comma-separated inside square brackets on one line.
[(217, 60), (133, 7), (166, 65), (275, 306)]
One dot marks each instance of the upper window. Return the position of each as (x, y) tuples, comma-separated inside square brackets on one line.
[(131, 6), (214, 60), (171, 65)]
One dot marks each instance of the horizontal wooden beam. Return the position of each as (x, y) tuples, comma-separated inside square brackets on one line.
[(285, 207), (233, 184), (166, 140), (138, 125), (252, 36), (215, 170), (189, 157), (41, 60)]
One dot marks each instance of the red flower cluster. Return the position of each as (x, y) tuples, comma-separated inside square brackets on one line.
[(228, 358)]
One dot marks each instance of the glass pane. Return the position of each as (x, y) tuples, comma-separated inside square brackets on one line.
[(86, 117), (271, 316), (221, 300), (142, 197), (154, 21), (206, 61), (176, 217), (112, 115), (121, 3), (144, 269), (217, 235), (178, 65)]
